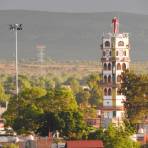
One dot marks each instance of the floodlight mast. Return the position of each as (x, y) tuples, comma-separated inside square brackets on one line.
[(16, 28)]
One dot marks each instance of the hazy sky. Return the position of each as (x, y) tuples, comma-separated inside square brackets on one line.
[(134, 6)]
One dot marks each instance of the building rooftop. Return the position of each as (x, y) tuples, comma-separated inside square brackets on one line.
[(84, 144)]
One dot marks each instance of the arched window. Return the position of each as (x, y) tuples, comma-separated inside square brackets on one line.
[(109, 92), (103, 53), (109, 66), (110, 53), (117, 53), (118, 66), (109, 79), (107, 44), (120, 43), (105, 79), (105, 92), (118, 78), (123, 66), (105, 66), (124, 53), (118, 91)]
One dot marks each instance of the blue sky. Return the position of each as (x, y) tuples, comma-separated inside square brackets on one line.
[(133, 6)]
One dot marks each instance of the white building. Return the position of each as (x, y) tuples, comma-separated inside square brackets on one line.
[(115, 59)]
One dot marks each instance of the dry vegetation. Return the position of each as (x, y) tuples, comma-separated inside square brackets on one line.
[(80, 67)]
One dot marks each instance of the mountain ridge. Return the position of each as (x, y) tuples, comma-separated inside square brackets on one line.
[(69, 35)]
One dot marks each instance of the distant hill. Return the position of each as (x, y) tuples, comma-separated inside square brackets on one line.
[(69, 36)]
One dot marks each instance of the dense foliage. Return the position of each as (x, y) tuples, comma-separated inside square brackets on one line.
[(63, 103), (47, 104), (114, 137), (135, 88)]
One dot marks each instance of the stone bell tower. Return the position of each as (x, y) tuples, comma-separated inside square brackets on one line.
[(115, 59)]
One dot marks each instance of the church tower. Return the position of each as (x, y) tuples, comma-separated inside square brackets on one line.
[(115, 60)]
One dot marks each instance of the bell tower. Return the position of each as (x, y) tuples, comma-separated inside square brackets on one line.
[(115, 60)]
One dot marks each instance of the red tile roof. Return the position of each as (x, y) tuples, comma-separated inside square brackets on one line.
[(84, 144)]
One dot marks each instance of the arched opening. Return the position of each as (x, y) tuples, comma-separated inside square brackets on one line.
[(123, 66), (109, 66), (105, 79), (118, 78), (124, 53), (107, 44), (109, 92), (109, 79), (120, 43), (103, 53), (105, 66), (105, 92), (118, 91), (110, 53), (118, 66)]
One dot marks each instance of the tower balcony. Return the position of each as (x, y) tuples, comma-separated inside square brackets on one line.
[(114, 59), (113, 85), (113, 108), (119, 59), (103, 59), (123, 59)]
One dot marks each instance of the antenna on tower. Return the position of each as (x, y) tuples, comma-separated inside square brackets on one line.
[(41, 55)]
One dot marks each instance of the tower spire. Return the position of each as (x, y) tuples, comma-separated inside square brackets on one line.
[(115, 23)]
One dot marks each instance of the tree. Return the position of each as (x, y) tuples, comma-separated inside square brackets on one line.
[(135, 88), (74, 84), (114, 137), (63, 100), (3, 96), (82, 97), (95, 90), (23, 114), (70, 124), (24, 82)]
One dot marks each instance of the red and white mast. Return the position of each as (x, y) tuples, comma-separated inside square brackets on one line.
[(115, 23)]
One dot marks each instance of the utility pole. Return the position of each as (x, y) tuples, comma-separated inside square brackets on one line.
[(16, 28)]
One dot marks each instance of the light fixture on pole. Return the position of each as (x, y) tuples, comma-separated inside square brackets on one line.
[(16, 28)]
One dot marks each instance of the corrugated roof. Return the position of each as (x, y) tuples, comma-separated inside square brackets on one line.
[(84, 144)]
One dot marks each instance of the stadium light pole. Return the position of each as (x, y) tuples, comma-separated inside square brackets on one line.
[(16, 28)]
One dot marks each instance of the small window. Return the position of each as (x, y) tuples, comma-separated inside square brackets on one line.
[(105, 79), (124, 53), (107, 44), (105, 92), (103, 53), (118, 78), (114, 113), (120, 43), (109, 92), (109, 66), (110, 53), (117, 53), (123, 66), (118, 66), (118, 91), (109, 79), (105, 66)]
